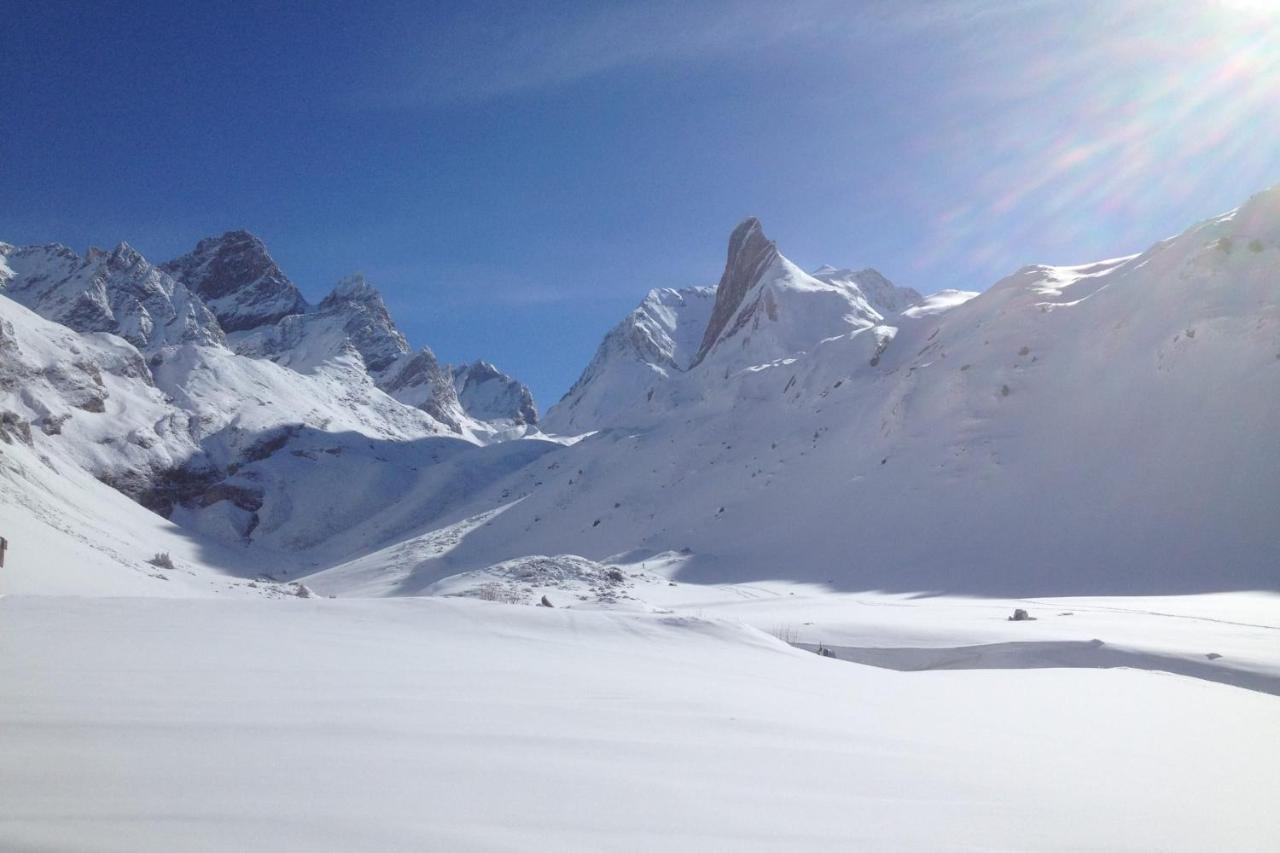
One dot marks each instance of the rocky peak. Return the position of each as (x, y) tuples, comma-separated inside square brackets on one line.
[(419, 380), (488, 394), (366, 322), (124, 256), (353, 288), (238, 280), (751, 253)]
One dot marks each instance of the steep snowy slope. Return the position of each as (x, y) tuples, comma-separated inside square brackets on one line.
[(654, 342), (1102, 428)]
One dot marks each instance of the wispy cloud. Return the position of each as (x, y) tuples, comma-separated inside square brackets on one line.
[(526, 48)]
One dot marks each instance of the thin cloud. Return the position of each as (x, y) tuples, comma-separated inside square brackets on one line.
[(524, 50)]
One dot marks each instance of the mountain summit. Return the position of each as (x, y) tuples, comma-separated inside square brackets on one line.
[(238, 280), (751, 254)]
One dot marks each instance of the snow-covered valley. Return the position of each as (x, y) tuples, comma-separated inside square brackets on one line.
[(273, 578)]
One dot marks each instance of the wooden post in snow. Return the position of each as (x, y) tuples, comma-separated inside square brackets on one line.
[(4, 543)]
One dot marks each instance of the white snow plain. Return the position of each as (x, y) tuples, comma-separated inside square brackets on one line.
[(236, 718)]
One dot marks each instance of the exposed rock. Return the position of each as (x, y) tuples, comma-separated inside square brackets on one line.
[(238, 281), (751, 253), (419, 380)]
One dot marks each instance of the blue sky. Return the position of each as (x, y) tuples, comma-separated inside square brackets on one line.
[(515, 176)]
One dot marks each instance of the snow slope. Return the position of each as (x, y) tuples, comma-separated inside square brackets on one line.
[(424, 724), (653, 343)]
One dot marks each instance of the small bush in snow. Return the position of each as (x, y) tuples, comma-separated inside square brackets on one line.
[(786, 633), (162, 560)]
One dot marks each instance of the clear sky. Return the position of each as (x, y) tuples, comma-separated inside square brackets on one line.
[(515, 176)]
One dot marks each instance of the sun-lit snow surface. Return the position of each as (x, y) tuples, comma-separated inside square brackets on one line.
[(653, 343), (139, 725)]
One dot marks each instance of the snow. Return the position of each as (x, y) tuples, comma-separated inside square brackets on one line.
[(426, 724), (655, 342)]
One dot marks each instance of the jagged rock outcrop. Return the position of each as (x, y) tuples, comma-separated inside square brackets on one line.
[(770, 309), (765, 309), (118, 292), (366, 322), (751, 254), (238, 281), (352, 318), (419, 380), (488, 394)]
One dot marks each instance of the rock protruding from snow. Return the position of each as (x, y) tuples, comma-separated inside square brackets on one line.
[(576, 581), (420, 380), (351, 319), (751, 254), (117, 291), (488, 394), (768, 309), (238, 280), (366, 322)]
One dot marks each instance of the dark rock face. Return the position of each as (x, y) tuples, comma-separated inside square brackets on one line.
[(238, 280), (750, 254)]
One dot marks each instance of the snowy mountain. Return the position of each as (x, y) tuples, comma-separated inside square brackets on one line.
[(656, 341), (352, 317), (764, 308), (128, 377), (767, 308), (1096, 428), (266, 316), (488, 394), (117, 292), (824, 427)]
